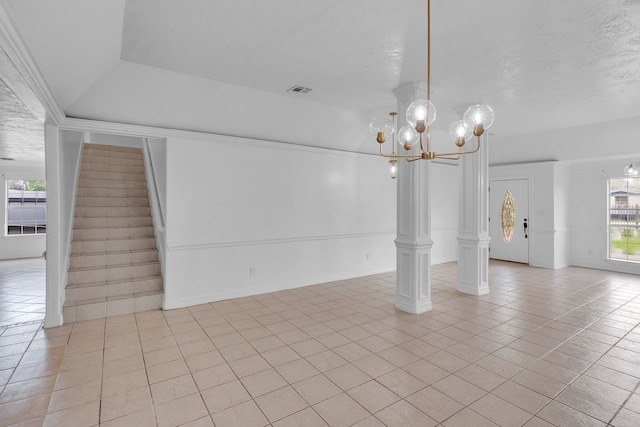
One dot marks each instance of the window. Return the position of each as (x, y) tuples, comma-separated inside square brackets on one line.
[(624, 219), (508, 217), (26, 207)]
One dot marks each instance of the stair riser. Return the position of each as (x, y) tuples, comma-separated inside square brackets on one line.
[(112, 233), (113, 291), (102, 260), (111, 212), (111, 192), (116, 274), (111, 184), (96, 159), (115, 202), (136, 287), (122, 176), (135, 222), (111, 308), (110, 167), (103, 247), (113, 154)]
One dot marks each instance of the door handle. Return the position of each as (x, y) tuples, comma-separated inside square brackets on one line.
[(526, 236)]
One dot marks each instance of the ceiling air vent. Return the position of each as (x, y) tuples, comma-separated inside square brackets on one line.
[(299, 89)]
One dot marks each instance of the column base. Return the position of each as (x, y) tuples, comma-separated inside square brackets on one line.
[(473, 265), (413, 307)]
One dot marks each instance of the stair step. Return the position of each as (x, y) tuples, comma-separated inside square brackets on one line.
[(112, 274), (99, 308), (111, 192), (115, 176), (137, 167), (94, 158), (116, 202), (87, 247), (111, 150), (113, 222), (108, 259), (111, 183), (111, 211), (85, 291), (119, 233)]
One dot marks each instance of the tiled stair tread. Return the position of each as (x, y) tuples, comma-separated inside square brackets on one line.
[(102, 259), (117, 233), (112, 154), (111, 222), (111, 201), (118, 252), (111, 161), (112, 212), (137, 264), (133, 281), (111, 176), (110, 184), (113, 148), (96, 247), (112, 298)]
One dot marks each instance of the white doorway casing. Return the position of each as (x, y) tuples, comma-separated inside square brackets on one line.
[(517, 248)]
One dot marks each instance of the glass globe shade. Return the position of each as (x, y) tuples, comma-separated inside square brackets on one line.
[(479, 114), (408, 135), (460, 129), (381, 124), (632, 169), (421, 110)]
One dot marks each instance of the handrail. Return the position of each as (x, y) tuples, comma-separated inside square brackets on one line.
[(149, 161)]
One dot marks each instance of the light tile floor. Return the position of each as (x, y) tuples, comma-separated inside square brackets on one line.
[(22, 291), (546, 347)]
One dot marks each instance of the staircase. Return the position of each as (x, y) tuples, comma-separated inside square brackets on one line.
[(114, 267)]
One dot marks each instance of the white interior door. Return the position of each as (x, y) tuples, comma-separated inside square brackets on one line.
[(509, 220)]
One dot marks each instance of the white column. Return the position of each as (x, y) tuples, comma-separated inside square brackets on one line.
[(473, 227), (413, 241), (56, 259)]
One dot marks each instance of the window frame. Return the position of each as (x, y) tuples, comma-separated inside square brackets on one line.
[(624, 210), (35, 207)]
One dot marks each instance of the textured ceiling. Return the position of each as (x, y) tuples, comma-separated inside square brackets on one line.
[(21, 133), (224, 66)]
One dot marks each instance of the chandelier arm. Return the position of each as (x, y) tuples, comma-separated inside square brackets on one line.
[(445, 157), (414, 159), (421, 148), (401, 156)]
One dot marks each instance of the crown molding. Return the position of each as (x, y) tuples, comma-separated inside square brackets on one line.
[(12, 41)]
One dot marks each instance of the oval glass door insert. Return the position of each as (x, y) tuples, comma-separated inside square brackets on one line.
[(508, 217)]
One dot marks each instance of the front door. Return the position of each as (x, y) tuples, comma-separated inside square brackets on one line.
[(509, 220)]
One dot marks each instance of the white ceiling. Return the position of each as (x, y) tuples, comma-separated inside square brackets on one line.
[(225, 66)]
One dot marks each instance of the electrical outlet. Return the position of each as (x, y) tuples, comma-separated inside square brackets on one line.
[(252, 271)]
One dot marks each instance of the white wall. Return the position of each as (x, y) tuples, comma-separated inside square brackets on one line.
[(444, 212), (588, 213), (246, 217), (18, 246), (547, 244)]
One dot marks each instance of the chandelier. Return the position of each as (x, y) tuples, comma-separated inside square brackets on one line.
[(420, 115), (633, 169)]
